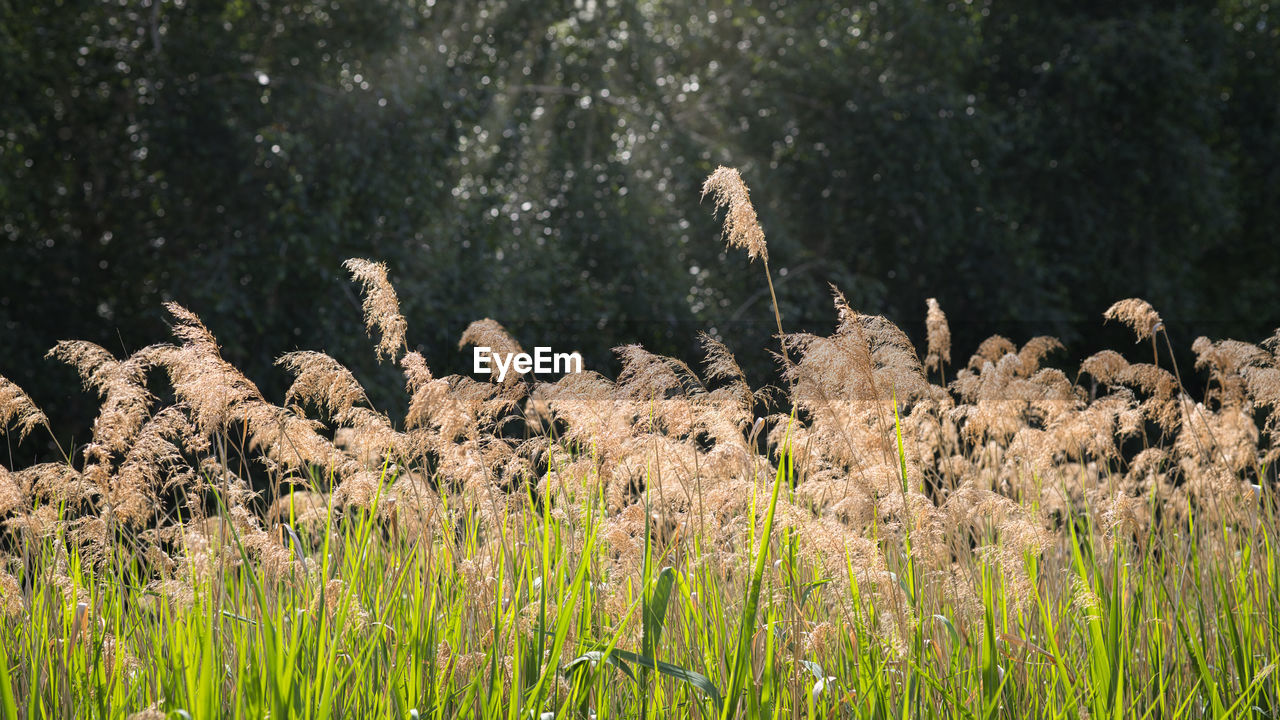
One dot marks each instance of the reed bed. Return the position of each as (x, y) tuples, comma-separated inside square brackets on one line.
[(875, 536)]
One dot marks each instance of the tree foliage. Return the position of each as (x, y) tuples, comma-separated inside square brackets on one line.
[(539, 163)]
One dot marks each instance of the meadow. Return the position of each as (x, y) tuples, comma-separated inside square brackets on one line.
[(873, 536)]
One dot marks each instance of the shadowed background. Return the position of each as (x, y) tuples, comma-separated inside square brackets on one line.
[(540, 163)]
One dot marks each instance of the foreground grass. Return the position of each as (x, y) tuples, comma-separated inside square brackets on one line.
[(1011, 544), (1169, 623)]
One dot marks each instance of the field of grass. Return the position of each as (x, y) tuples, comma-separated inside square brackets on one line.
[(876, 536)]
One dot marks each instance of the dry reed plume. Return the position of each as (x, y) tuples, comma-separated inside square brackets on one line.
[(892, 476), (993, 455), (381, 306), (741, 227)]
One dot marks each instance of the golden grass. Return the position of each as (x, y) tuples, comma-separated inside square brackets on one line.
[(1010, 498)]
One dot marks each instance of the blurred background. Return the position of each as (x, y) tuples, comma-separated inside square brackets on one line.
[(1025, 162)]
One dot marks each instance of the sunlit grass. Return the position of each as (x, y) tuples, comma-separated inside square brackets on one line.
[(656, 546), (388, 626)]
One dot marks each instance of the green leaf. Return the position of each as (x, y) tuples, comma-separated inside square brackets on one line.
[(7, 700), (698, 680), (655, 611), (742, 654), (597, 656), (809, 588)]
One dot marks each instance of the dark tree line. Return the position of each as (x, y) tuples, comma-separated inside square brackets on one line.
[(1026, 163)]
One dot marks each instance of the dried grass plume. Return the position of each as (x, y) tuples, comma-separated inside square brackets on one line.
[(490, 333), (741, 228), (939, 334), (322, 382), (381, 306), (17, 408), (1138, 315)]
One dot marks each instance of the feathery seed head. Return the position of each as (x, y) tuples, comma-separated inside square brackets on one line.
[(121, 384), (16, 408), (991, 350), (1034, 351), (381, 305), (323, 382), (741, 227), (490, 333), (13, 494), (939, 335), (1106, 366), (1138, 314), (416, 371)]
